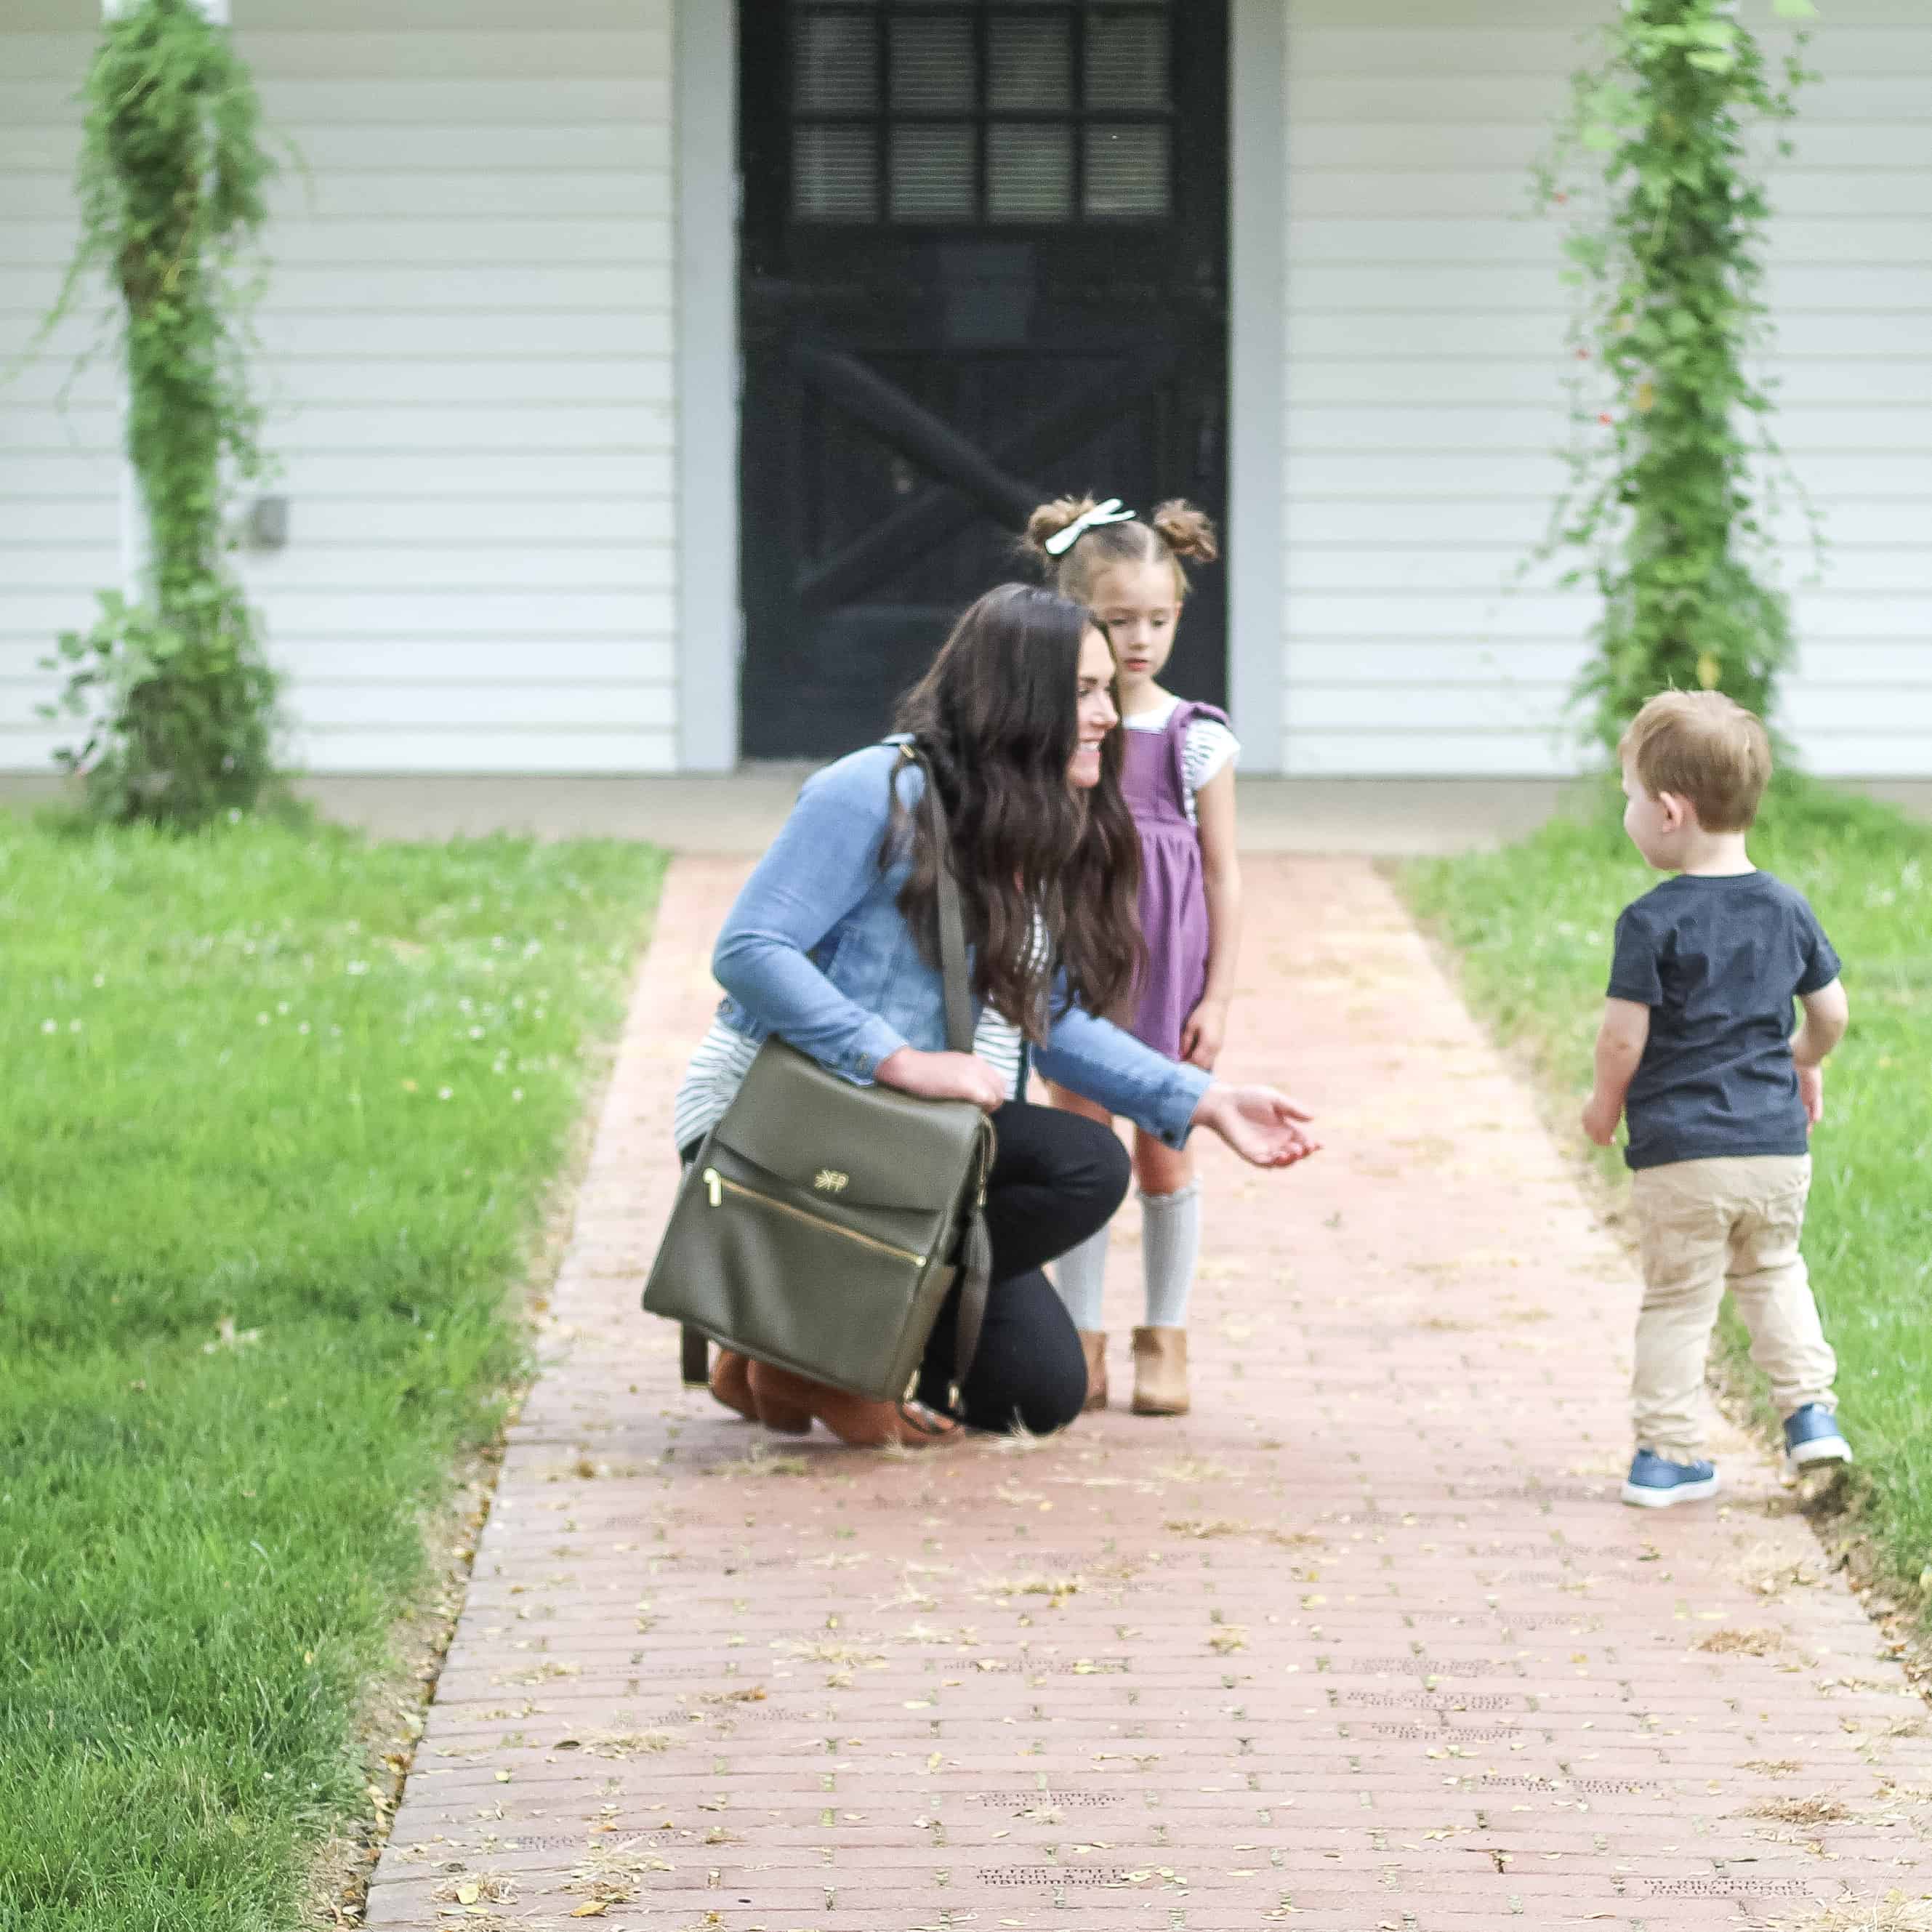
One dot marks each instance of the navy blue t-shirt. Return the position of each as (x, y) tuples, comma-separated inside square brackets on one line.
[(1718, 962)]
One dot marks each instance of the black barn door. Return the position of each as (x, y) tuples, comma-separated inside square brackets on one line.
[(985, 261)]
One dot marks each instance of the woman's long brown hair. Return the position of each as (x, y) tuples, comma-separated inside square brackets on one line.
[(998, 718)]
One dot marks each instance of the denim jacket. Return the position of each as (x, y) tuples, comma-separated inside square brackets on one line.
[(817, 951)]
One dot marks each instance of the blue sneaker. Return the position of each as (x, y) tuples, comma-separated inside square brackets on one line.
[(1811, 1437), (1655, 1483)]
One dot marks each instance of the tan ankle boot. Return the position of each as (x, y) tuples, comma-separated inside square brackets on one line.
[(1160, 1371), (1093, 1346)]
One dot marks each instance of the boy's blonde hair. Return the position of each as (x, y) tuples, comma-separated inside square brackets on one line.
[(1703, 747)]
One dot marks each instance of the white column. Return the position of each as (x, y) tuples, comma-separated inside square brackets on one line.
[(136, 544), (710, 624), (1257, 364)]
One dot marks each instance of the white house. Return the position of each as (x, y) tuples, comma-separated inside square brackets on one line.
[(652, 377)]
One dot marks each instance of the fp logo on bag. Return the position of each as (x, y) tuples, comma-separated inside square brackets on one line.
[(831, 1181)]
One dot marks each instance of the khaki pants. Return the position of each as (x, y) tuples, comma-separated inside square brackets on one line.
[(1704, 1225)]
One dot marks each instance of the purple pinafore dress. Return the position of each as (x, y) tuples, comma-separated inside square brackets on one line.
[(1173, 897)]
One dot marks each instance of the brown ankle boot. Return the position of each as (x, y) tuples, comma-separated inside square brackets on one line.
[(731, 1385), (854, 1420), (1093, 1346), (1160, 1371)]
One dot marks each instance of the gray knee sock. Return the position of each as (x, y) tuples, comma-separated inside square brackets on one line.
[(1080, 1274), (1170, 1246)]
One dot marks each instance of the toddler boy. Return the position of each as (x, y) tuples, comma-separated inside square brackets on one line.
[(1696, 1044)]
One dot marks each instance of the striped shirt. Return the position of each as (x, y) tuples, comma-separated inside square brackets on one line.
[(724, 1056), (710, 1083)]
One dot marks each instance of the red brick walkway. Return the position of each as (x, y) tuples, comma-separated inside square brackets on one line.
[(1366, 1642)]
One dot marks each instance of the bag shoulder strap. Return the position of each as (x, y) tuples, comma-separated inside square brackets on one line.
[(952, 920), (976, 1252)]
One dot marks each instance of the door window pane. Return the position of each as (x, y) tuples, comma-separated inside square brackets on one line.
[(834, 65), (1031, 62), (1029, 173), (1127, 173), (1126, 60), (834, 174), (933, 174), (953, 112), (933, 64)]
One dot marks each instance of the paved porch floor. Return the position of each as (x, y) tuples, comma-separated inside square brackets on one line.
[(1365, 1643), (1389, 817), (741, 813)]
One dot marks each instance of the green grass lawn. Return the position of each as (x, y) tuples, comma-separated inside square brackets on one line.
[(280, 1113), (1532, 925)]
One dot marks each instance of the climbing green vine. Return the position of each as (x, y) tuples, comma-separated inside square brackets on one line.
[(177, 696), (1670, 489)]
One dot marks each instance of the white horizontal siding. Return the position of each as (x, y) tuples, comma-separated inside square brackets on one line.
[(60, 508), (394, 473), (454, 426), (1426, 399), (470, 367), (349, 287)]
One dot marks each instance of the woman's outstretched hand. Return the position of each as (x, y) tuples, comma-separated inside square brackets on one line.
[(1266, 1128), (942, 1076)]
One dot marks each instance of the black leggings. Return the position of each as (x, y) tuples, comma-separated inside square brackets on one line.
[(1057, 1179)]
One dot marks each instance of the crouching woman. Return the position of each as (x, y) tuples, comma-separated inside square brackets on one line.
[(831, 945)]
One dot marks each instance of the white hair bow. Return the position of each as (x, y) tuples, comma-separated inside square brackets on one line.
[(1061, 542)]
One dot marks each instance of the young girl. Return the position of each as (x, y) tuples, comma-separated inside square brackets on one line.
[(1179, 780)]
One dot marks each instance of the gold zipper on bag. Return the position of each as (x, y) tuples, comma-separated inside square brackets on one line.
[(716, 1186)]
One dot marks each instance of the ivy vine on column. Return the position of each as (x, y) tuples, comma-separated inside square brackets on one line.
[(1673, 482), (176, 694)]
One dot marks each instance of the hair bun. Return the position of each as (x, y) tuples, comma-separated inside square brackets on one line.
[(1186, 531), (1050, 519)]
